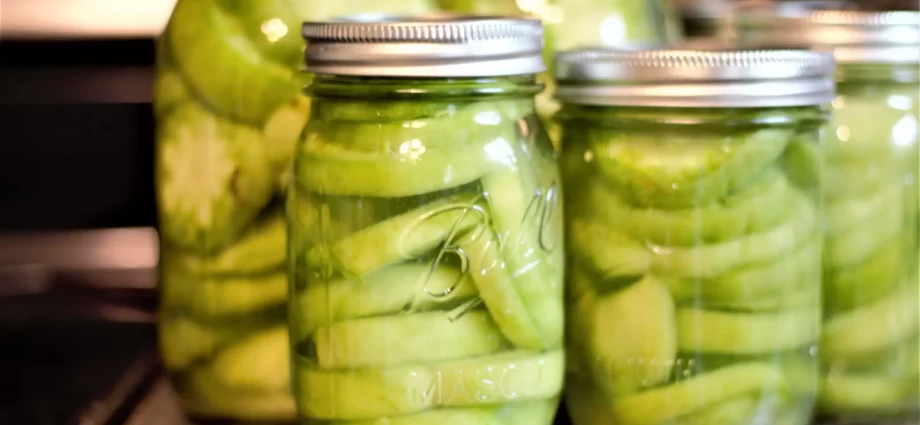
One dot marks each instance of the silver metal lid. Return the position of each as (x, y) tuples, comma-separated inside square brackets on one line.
[(440, 45), (711, 77), (855, 36)]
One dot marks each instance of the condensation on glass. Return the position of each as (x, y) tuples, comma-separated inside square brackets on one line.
[(693, 225), (425, 227), (870, 347), (229, 109)]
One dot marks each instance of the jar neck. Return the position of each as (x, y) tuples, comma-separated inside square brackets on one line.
[(878, 73), (423, 89)]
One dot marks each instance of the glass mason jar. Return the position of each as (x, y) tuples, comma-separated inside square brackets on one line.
[(424, 232), (871, 343), (693, 227), (229, 111)]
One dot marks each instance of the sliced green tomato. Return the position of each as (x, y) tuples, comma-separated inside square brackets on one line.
[(872, 394), (878, 325), (272, 26), (262, 248), (803, 161), (849, 178), (503, 378), (213, 178), (527, 413), (413, 169), (668, 403), (845, 214), (712, 261), (210, 297), (184, 340), (204, 396), (707, 331), (401, 287), (849, 287), (496, 288), (169, 88), (223, 67), (761, 284), (404, 237), (680, 171), (366, 393), (634, 337), (394, 340), (755, 209), (896, 361), (610, 253), (740, 410), (283, 130), (861, 241), (256, 363)]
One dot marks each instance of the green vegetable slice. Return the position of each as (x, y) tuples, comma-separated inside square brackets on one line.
[(401, 287), (732, 412), (257, 363), (272, 26), (223, 67), (213, 179), (496, 288), (763, 284), (609, 253), (503, 378), (634, 339), (364, 393), (861, 241), (881, 324), (752, 210), (184, 340), (849, 287), (680, 171), (527, 413), (169, 89), (211, 297), (668, 403), (404, 237), (202, 395), (703, 331), (844, 214), (394, 340), (261, 249), (874, 394), (282, 130)]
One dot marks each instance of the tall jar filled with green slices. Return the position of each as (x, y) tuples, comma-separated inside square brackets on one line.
[(694, 233), (229, 108), (424, 227), (871, 343)]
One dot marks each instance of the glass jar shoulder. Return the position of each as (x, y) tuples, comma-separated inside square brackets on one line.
[(872, 119)]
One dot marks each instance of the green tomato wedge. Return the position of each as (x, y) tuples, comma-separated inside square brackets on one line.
[(755, 209), (169, 89), (283, 130), (502, 378), (527, 413), (390, 290), (212, 297), (184, 340), (398, 166), (876, 326), (610, 253), (705, 331), (861, 241), (732, 412), (668, 403), (394, 340), (213, 178), (365, 393), (204, 396), (634, 337), (261, 249), (257, 363), (404, 237), (865, 282), (496, 287), (680, 171), (758, 285), (874, 394), (844, 214), (223, 67)]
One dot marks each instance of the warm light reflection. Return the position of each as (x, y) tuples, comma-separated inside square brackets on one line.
[(274, 29), (84, 18), (843, 133), (904, 132)]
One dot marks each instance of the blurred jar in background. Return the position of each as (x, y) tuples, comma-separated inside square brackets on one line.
[(574, 24), (870, 348), (229, 109)]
